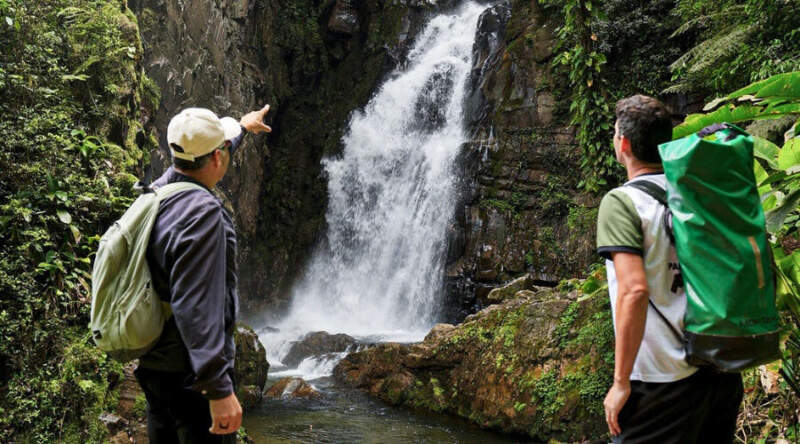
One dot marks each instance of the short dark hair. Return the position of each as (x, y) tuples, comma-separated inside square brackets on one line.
[(188, 165), (646, 122)]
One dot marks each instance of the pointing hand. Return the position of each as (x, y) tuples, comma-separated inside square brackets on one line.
[(254, 121)]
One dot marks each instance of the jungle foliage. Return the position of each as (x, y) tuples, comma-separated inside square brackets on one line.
[(736, 42), (682, 51), (71, 90)]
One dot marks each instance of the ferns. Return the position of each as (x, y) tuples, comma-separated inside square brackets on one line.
[(696, 62), (740, 41)]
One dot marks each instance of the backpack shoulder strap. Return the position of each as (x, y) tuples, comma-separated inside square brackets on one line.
[(660, 195), (651, 189), (175, 187)]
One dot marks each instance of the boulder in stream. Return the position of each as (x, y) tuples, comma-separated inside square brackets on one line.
[(537, 364), (317, 343), (289, 388), (251, 366)]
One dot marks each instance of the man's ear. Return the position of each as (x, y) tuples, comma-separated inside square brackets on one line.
[(624, 144), (217, 158)]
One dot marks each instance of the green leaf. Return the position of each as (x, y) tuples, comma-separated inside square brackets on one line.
[(789, 155), (781, 85), (715, 103), (86, 384), (76, 233), (63, 216), (70, 77), (764, 149), (776, 177), (761, 177), (776, 216), (730, 114)]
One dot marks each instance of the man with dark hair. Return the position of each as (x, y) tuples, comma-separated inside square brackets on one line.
[(187, 377), (656, 397)]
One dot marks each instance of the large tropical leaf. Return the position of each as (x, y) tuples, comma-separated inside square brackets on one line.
[(789, 155), (766, 150), (782, 86), (776, 216), (732, 114)]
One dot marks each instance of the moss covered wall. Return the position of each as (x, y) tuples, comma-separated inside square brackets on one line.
[(73, 101)]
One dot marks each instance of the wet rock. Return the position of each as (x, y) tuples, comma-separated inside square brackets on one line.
[(438, 331), (487, 50), (114, 423), (344, 18), (510, 289), (251, 366), (431, 107), (317, 344), (291, 388), (538, 364)]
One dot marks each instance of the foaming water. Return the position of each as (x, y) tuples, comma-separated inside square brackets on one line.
[(378, 276)]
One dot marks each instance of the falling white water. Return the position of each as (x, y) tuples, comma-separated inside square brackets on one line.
[(391, 198)]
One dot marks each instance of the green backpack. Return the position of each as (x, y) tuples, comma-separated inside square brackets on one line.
[(127, 315), (717, 226)]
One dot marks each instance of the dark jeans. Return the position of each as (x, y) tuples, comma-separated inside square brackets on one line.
[(176, 414), (699, 409)]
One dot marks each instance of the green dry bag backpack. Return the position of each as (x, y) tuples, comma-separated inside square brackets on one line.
[(717, 225), (127, 315)]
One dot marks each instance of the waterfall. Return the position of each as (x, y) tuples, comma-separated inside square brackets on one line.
[(391, 198)]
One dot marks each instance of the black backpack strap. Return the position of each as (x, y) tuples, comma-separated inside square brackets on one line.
[(660, 195), (651, 189), (672, 328)]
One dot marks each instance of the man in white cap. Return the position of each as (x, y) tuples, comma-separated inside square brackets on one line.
[(187, 377)]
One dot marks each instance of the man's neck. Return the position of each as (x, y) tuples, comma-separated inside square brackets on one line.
[(198, 175), (638, 169)]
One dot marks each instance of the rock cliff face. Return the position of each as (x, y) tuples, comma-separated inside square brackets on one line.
[(538, 365), (314, 62), (522, 211)]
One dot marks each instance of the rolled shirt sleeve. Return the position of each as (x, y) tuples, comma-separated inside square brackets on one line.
[(619, 227), (199, 293)]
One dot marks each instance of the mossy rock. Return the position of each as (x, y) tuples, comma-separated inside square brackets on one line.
[(536, 364)]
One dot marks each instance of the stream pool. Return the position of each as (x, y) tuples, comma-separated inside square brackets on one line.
[(344, 415)]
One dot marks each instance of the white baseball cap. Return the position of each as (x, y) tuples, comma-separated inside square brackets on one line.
[(195, 132)]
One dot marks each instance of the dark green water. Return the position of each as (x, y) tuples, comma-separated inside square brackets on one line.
[(345, 415)]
